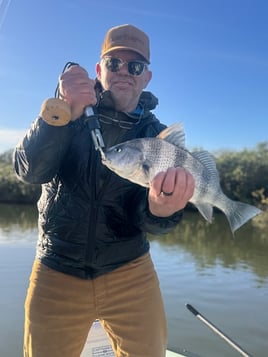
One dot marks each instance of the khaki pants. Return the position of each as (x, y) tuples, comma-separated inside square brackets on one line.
[(60, 309)]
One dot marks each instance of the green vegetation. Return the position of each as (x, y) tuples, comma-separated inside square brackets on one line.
[(244, 174), (12, 190)]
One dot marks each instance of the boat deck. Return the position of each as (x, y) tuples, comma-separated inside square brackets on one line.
[(98, 345)]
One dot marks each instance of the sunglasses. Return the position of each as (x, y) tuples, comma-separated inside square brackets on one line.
[(135, 67)]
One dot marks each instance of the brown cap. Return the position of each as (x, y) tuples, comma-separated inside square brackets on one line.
[(126, 37)]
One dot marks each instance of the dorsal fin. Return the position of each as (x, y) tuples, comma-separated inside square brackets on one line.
[(208, 161), (174, 134)]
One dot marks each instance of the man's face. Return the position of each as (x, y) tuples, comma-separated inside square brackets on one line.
[(125, 87)]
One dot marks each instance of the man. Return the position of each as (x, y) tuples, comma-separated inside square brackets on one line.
[(93, 259)]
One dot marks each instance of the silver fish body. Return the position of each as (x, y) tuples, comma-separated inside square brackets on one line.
[(139, 160)]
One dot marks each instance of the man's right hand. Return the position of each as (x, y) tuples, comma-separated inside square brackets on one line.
[(77, 90)]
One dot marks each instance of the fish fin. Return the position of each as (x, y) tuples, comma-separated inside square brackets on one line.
[(208, 161), (238, 213), (206, 210), (174, 134)]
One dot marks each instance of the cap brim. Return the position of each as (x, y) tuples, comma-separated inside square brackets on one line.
[(125, 48)]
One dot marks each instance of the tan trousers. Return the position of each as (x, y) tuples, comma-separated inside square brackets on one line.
[(60, 309)]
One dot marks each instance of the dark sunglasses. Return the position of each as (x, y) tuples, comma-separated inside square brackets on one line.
[(135, 67)]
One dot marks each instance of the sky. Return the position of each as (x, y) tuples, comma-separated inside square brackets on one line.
[(209, 60)]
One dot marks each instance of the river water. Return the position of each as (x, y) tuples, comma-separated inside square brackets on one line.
[(225, 279)]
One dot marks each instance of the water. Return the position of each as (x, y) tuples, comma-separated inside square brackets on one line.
[(225, 279)]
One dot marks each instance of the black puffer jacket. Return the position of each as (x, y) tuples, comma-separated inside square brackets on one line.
[(91, 221)]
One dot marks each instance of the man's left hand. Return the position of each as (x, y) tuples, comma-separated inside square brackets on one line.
[(170, 191)]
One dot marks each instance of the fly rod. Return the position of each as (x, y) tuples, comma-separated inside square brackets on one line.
[(218, 331)]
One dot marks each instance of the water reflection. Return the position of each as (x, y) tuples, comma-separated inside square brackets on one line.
[(18, 224), (24, 216), (213, 244)]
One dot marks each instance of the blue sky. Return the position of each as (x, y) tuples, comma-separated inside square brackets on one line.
[(209, 61)]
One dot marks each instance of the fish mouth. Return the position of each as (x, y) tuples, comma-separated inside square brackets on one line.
[(105, 161), (103, 156), (109, 164)]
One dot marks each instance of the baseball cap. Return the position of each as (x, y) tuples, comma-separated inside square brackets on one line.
[(126, 37)]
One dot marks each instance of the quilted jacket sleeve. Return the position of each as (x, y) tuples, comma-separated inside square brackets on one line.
[(162, 225), (38, 155)]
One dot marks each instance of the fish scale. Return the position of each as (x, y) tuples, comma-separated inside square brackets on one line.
[(162, 155), (165, 155)]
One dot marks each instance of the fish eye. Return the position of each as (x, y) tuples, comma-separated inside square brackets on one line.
[(118, 149)]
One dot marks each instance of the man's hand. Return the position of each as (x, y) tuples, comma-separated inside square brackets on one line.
[(170, 191), (77, 89)]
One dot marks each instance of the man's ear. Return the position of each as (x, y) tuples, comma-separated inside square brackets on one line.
[(147, 78)]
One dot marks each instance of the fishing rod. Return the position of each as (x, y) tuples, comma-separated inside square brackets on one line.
[(218, 331)]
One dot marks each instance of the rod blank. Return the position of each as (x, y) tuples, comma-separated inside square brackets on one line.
[(217, 331)]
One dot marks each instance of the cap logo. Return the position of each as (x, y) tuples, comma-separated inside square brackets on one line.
[(127, 38)]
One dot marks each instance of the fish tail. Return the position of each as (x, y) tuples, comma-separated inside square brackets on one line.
[(238, 213)]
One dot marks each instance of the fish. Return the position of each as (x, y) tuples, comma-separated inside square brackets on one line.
[(140, 160)]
